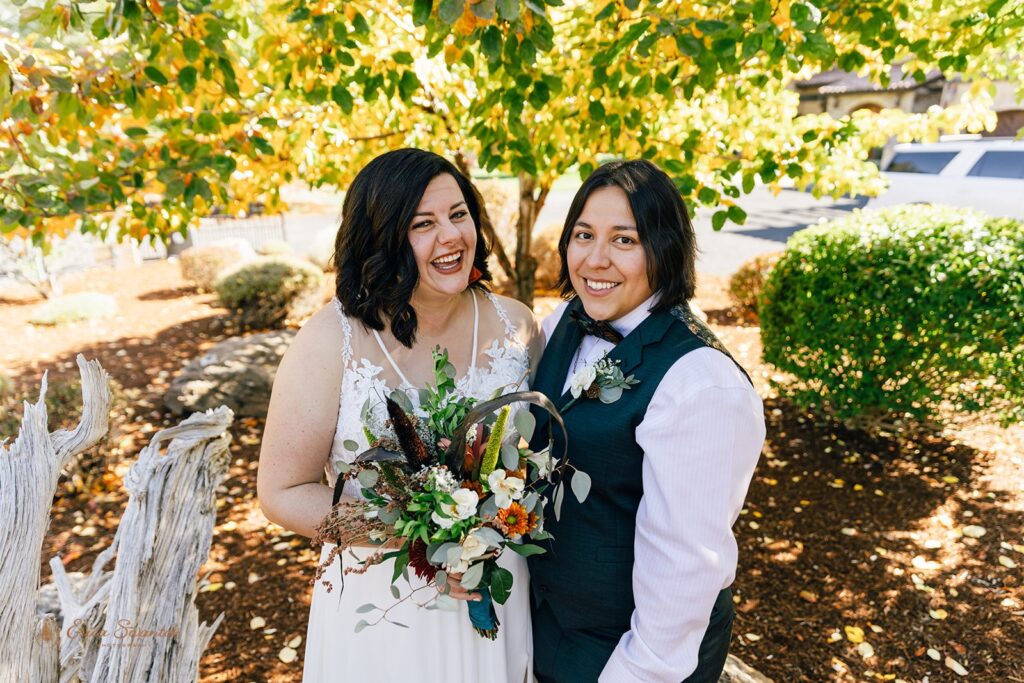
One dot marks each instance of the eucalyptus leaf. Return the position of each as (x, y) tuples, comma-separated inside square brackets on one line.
[(489, 536), (350, 445), (389, 516), (368, 607), (580, 485), (471, 579), (367, 478), (525, 423), (526, 549), (559, 495), (610, 394), (454, 555), (441, 580), (530, 501), (509, 457), (402, 399), (395, 593), (489, 508), (447, 603), (361, 625)]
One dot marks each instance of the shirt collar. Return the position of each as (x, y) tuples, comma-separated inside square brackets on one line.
[(632, 320)]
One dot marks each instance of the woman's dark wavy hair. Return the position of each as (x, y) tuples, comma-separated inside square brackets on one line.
[(377, 271), (666, 233)]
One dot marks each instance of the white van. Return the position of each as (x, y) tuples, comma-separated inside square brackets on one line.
[(984, 173)]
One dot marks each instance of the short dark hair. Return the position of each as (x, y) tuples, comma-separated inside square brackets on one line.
[(664, 227), (377, 271)]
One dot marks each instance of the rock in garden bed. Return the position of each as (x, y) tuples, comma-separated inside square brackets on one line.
[(238, 372)]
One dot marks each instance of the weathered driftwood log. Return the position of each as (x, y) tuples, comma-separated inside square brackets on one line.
[(152, 630), (137, 622), (29, 472), (738, 672)]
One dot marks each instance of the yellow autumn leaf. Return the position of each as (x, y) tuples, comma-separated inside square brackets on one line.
[(854, 634)]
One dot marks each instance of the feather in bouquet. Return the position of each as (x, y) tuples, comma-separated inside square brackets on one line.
[(448, 488)]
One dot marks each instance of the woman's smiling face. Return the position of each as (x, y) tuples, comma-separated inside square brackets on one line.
[(607, 264), (443, 239)]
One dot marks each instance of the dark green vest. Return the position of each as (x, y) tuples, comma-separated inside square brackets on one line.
[(585, 577)]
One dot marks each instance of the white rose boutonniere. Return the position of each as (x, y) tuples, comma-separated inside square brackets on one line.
[(604, 380)]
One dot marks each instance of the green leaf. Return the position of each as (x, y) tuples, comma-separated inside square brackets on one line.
[(707, 195), (718, 219), (136, 132), (368, 607), (490, 43), (501, 584), (190, 48), (581, 485), (341, 95), (187, 79), (484, 9), (689, 44), (508, 9), (471, 579), (737, 215), (361, 625), (421, 10), (596, 110), (154, 74), (408, 85), (367, 478), (525, 423), (449, 11), (526, 549), (559, 496)]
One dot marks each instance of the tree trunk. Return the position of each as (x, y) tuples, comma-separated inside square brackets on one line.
[(530, 204), (29, 471)]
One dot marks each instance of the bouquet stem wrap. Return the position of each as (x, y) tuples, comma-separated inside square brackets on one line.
[(483, 616)]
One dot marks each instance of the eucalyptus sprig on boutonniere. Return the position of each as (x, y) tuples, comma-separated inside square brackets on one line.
[(604, 380)]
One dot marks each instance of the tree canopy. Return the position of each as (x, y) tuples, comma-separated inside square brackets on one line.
[(139, 116)]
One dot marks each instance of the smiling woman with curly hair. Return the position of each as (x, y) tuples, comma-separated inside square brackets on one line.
[(412, 273)]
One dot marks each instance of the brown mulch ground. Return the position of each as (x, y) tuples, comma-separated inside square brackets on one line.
[(853, 564)]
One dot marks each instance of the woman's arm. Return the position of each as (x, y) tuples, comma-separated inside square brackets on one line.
[(300, 427)]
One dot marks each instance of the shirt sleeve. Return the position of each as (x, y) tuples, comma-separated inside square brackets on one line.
[(701, 437)]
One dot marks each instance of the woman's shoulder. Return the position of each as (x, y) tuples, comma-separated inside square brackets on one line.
[(324, 336), (518, 312)]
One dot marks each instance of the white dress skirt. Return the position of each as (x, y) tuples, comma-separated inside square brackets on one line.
[(438, 645)]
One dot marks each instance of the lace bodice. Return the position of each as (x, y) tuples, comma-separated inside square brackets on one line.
[(364, 389)]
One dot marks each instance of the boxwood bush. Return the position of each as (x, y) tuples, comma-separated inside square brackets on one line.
[(897, 313), (267, 292), (747, 282)]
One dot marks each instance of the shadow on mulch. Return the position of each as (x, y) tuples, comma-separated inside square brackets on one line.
[(734, 316), (137, 361), (168, 294), (843, 519)]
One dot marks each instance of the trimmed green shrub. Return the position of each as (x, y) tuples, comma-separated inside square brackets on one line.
[(74, 308), (275, 248), (896, 313), (746, 284), (203, 265), (268, 292)]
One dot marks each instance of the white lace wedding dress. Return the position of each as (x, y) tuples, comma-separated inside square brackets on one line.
[(438, 645)]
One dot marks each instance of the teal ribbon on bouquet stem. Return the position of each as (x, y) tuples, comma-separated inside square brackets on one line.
[(482, 615)]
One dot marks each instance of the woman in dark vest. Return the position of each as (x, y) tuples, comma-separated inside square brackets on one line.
[(635, 583)]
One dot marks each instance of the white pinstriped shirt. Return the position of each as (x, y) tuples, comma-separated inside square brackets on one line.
[(701, 438)]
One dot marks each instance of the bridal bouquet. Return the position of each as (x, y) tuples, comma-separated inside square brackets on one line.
[(448, 488)]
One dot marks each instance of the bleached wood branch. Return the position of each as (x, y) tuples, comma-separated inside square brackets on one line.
[(29, 471)]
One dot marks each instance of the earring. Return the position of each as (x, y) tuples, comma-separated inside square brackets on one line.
[(475, 275)]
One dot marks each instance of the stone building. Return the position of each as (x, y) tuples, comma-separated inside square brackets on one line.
[(840, 93)]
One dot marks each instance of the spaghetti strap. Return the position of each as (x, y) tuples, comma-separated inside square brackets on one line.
[(394, 365), (346, 329), (472, 365), (476, 333)]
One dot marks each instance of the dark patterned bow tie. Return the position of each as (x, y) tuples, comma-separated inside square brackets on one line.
[(596, 328)]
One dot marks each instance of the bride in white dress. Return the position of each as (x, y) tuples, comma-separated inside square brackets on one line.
[(410, 262)]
